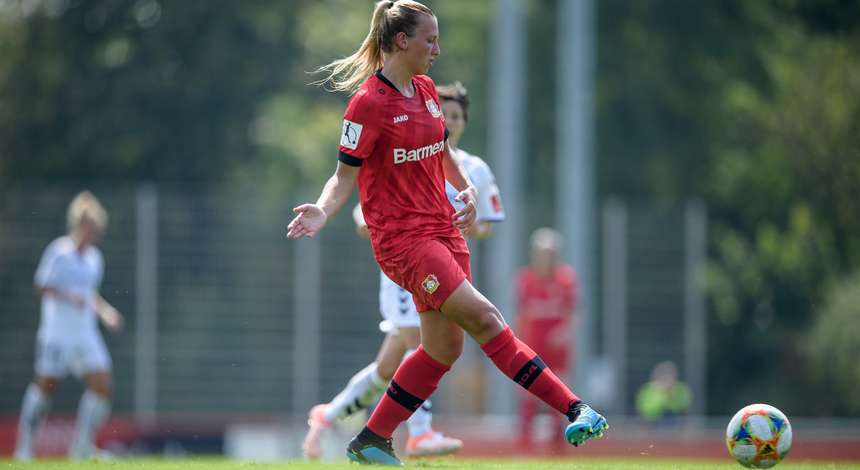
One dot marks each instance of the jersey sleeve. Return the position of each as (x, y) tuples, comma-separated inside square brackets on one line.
[(360, 131), (45, 273), (489, 204)]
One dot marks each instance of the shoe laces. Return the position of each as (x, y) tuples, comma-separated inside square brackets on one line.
[(389, 445)]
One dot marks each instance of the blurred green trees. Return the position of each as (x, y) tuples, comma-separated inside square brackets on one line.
[(750, 106), (834, 348)]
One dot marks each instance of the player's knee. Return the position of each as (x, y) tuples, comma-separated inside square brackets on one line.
[(449, 350), (101, 386), (47, 386), (486, 323), (103, 391)]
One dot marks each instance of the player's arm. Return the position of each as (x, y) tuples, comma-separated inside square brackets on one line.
[(109, 316), (45, 278), (60, 294), (457, 176), (311, 218)]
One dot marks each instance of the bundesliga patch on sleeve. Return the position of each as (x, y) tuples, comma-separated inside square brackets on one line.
[(351, 134)]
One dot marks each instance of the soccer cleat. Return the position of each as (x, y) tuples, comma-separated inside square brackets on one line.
[(369, 449), (432, 443), (316, 425), (587, 424)]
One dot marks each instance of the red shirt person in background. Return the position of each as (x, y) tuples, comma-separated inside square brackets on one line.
[(547, 294)]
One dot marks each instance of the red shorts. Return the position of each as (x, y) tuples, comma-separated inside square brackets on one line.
[(430, 269)]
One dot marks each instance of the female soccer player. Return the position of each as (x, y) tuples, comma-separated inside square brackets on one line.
[(401, 320), (68, 339), (394, 144), (547, 292)]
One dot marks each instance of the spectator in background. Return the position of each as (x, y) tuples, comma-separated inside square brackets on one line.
[(546, 297), (68, 339), (664, 397)]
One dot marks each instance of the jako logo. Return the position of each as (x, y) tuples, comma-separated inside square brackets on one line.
[(401, 118), (414, 155)]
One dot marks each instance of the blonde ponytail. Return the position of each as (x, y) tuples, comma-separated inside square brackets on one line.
[(389, 18)]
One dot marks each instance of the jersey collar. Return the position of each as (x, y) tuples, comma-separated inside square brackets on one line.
[(388, 82)]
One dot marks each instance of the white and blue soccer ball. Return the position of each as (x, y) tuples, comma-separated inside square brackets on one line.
[(758, 436)]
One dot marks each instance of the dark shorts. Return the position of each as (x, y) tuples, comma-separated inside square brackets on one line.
[(430, 269)]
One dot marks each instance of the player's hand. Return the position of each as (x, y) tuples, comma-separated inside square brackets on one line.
[(112, 319), (310, 219), (465, 217)]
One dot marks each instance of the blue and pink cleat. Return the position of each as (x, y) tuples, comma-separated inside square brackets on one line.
[(587, 424), (369, 449)]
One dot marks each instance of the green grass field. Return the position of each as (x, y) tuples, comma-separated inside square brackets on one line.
[(467, 464)]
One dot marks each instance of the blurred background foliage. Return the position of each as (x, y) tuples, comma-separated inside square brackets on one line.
[(749, 106)]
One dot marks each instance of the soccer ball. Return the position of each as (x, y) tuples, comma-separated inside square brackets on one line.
[(758, 436)]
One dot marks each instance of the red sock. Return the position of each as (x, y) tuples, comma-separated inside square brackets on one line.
[(414, 381), (516, 360)]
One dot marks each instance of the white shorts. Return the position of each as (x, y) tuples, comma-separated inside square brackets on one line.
[(396, 307), (80, 354)]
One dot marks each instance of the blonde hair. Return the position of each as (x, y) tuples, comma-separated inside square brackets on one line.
[(546, 238), (389, 18), (86, 205)]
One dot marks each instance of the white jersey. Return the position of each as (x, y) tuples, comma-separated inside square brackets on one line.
[(489, 204), (395, 302), (64, 268)]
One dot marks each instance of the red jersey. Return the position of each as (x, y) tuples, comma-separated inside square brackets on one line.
[(545, 304), (399, 143)]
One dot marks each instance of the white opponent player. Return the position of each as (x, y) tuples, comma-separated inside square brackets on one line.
[(68, 339), (401, 321)]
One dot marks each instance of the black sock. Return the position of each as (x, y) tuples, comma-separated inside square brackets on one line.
[(369, 437), (574, 409)]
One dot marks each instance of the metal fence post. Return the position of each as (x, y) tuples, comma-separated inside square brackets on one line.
[(146, 306)]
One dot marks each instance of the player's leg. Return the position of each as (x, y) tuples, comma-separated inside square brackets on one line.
[(415, 380), (93, 410), (362, 391), (527, 413), (95, 403), (50, 367), (423, 440), (36, 402), (474, 313)]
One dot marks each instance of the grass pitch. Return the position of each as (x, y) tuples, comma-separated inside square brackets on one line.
[(451, 463)]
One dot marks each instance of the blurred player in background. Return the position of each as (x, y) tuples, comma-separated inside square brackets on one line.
[(546, 298), (394, 145), (401, 321), (68, 340)]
